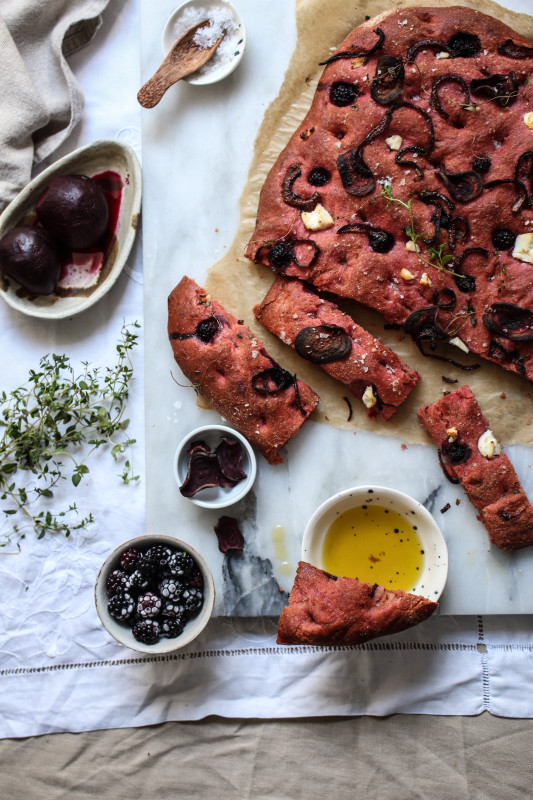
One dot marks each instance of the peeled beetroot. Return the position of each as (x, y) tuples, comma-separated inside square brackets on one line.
[(29, 255), (74, 209)]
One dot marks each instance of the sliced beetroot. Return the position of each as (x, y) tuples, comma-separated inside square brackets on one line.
[(203, 473), (198, 446), (513, 50), (387, 85), (229, 534), (463, 186), (229, 454)]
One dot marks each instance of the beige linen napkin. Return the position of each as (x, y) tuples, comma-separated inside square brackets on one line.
[(40, 99)]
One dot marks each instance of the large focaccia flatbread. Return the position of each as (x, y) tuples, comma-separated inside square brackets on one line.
[(326, 610), (432, 106)]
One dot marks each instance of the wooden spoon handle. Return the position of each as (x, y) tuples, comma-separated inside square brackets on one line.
[(153, 90)]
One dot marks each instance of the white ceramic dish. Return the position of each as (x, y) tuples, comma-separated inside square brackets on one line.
[(220, 65), (217, 496), (435, 564), (100, 156), (120, 631)]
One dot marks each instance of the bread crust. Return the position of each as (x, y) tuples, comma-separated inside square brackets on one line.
[(221, 370), (469, 125), (326, 610)]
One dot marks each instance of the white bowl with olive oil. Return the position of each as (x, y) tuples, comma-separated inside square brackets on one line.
[(378, 535)]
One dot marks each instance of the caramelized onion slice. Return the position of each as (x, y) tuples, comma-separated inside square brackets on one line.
[(437, 83), (380, 241), (509, 321), (524, 169), (522, 198), (281, 254), (296, 200), (513, 50), (465, 282), (413, 50), (463, 186), (387, 85), (356, 176), (357, 53), (272, 380), (502, 88), (322, 344)]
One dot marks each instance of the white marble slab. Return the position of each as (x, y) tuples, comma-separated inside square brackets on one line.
[(197, 146)]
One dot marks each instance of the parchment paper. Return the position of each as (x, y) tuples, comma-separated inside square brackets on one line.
[(506, 399)]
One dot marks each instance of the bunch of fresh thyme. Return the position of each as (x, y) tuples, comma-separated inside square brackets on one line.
[(43, 424)]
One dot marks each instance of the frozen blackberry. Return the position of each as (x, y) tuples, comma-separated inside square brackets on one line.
[(170, 588), (129, 559), (148, 605), (116, 582), (171, 627), (138, 582), (121, 606), (195, 579), (192, 600), (180, 564), (158, 555), (147, 631), (174, 609)]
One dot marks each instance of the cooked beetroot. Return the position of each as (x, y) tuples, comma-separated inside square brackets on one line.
[(229, 534), (322, 344), (387, 85), (74, 209), (203, 473), (229, 455), (289, 196), (510, 321), (30, 256), (198, 446)]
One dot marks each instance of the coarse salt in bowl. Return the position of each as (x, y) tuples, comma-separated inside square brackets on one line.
[(222, 17)]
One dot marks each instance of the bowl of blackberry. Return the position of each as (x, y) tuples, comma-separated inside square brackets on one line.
[(154, 594)]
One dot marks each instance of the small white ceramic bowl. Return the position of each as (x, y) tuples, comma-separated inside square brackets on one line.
[(221, 64), (100, 156), (435, 560), (216, 496), (120, 631)]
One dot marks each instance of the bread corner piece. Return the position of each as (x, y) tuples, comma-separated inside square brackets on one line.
[(326, 610)]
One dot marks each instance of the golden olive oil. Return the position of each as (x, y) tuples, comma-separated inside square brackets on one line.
[(375, 545)]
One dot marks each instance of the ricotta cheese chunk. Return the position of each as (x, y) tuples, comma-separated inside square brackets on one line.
[(488, 445), (317, 219), (523, 247)]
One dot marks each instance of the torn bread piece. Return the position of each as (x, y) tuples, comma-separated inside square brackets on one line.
[(326, 610)]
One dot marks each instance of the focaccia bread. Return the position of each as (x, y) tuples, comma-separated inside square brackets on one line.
[(408, 185), (323, 334), (326, 610), (231, 369), (471, 454)]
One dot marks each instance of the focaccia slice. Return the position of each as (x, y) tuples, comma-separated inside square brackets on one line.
[(326, 610), (323, 334), (472, 455), (231, 369)]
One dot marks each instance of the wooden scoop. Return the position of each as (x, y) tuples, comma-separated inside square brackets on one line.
[(184, 58)]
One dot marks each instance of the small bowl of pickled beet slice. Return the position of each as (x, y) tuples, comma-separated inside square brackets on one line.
[(214, 466), (58, 276), (154, 594)]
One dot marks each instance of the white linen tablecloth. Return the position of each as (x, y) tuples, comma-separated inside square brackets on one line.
[(60, 671)]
